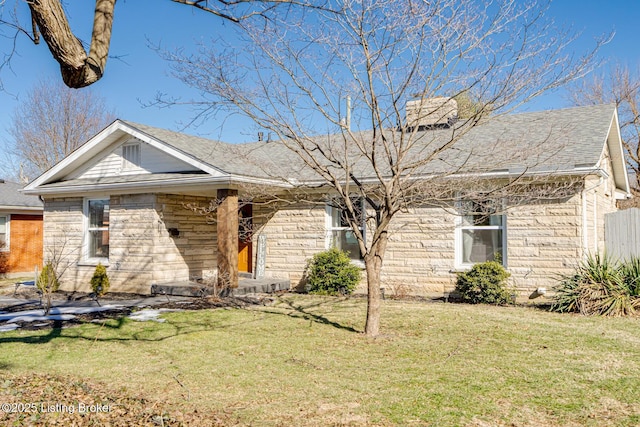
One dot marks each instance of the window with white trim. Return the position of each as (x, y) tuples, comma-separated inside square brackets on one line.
[(4, 233), (480, 234), (339, 232), (97, 230), (130, 156)]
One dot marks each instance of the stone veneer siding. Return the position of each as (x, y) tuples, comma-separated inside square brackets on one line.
[(544, 240), (141, 250), (294, 234)]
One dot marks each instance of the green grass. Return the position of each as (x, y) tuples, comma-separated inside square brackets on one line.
[(306, 362)]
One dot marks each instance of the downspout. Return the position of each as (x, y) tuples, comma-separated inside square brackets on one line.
[(595, 221), (585, 228), (585, 225)]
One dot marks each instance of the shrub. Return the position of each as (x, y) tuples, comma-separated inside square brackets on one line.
[(100, 281), (601, 287), (4, 260), (47, 281), (485, 283), (331, 273)]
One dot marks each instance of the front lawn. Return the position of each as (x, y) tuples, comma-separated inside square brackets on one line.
[(304, 362)]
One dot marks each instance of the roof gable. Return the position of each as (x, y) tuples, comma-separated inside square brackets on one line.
[(99, 157), (113, 162), (616, 155)]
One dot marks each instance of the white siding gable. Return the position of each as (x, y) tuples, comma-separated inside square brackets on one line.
[(112, 163)]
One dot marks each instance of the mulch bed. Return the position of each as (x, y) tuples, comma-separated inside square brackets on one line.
[(192, 303)]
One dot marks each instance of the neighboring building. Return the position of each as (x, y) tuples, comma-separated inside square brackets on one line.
[(121, 199), (20, 230)]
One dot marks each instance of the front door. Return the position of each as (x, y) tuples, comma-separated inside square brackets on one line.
[(245, 233)]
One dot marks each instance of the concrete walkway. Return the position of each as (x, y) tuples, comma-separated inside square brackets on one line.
[(9, 301)]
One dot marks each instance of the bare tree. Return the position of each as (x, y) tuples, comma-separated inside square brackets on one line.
[(620, 86), (51, 122), (295, 71), (80, 68)]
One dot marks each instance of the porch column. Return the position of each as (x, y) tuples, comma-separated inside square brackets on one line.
[(227, 223)]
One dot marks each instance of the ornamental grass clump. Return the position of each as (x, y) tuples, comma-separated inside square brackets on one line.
[(600, 286), (485, 283), (332, 273)]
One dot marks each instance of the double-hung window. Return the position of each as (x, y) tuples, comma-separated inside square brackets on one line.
[(97, 230), (339, 232), (4, 233), (480, 234)]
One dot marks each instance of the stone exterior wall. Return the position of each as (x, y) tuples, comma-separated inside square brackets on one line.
[(294, 234), (603, 201), (544, 240), (192, 253), (132, 238), (141, 250), (63, 237), (420, 254)]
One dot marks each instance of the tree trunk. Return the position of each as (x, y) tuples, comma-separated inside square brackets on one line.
[(373, 267), (227, 233), (78, 70)]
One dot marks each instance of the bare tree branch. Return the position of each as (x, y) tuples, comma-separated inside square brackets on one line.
[(78, 69), (621, 86), (51, 122), (292, 73)]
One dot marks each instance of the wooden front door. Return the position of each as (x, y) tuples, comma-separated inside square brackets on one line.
[(245, 234)]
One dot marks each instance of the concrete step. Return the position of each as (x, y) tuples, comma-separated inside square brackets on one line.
[(185, 289)]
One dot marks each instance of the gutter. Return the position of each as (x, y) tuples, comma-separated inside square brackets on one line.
[(492, 174), (226, 182), (21, 208)]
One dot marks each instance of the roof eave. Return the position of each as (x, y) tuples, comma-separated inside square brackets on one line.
[(616, 151), (21, 208), (578, 171), (229, 181)]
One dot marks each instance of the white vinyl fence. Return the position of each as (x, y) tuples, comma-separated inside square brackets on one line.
[(622, 233)]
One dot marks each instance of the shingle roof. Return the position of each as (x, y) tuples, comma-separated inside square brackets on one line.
[(10, 196), (545, 141)]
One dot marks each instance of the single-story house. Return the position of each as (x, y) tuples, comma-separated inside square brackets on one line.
[(20, 230), (126, 199)]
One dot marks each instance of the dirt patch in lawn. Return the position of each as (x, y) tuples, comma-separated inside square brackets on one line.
[(47, 400)]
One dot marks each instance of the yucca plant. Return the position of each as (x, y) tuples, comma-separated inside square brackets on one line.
[(599, 286), (631, 271)]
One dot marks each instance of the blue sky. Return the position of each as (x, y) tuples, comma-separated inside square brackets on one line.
[(138, 73)]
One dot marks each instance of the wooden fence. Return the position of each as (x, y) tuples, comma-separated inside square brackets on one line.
[(622, 233)]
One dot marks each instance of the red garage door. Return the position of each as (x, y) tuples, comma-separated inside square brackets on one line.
[(25, 243)]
